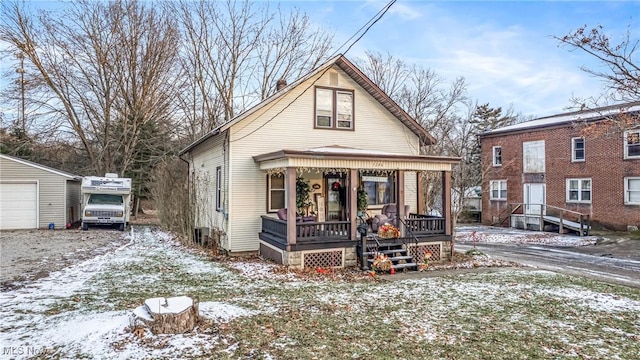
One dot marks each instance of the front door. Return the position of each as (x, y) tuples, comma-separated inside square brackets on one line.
[(336, 197), (534, 197)]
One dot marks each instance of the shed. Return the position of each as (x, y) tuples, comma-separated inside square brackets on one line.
[(33, 196)]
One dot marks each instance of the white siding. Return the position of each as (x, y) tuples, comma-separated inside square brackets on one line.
[(411, 190), (203, 163), (294, 129)]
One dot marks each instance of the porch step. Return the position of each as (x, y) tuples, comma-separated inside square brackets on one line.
[(393, 251), (399, 257), (409, 265), (386, 252), (395, 259)]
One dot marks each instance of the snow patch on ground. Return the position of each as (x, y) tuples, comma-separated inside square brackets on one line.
[(222, 311), (27, 318), (595, 301), (31, 317), (489, 234)]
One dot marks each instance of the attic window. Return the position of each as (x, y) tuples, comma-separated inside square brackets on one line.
[(334, 109)]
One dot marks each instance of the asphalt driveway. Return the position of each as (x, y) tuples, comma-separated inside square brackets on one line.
[(611, 259)]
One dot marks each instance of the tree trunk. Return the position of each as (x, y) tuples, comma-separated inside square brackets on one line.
[(175, 315)]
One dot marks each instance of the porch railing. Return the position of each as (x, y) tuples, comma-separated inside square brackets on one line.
[(308, 231), (562, 217), (420, 224), (275, 227)]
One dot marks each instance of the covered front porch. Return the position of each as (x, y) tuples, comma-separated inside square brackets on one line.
[(331, 234)]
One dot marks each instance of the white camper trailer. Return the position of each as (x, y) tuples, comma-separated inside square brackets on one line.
[(106, 201)]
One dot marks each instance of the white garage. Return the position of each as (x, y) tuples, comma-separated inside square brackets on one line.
[(33, 196)]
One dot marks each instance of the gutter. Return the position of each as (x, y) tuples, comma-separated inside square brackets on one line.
[(204, 138)]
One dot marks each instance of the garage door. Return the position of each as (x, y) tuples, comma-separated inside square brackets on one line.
[(18, 206)]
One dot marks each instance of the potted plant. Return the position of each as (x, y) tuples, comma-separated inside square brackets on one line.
[(362, 200), (303, 195)]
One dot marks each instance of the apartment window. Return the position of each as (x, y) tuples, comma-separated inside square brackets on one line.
[(219, 188), (276, 197), (334, 108), (632, 144), (498, 189), (533, 156), (579, 190), (497, 156), (632, 190), (577, 149), (379, 189)]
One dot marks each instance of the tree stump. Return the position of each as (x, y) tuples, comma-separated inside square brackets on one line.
[(174, 315)]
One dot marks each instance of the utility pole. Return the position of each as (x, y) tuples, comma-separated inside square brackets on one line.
[(20, 70)]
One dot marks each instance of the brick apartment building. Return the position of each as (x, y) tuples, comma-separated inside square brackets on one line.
[(551, 163)]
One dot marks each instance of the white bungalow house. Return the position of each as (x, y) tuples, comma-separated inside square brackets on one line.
[(335, 130)]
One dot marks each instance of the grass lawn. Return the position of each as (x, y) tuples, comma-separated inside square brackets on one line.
[(254, 310)]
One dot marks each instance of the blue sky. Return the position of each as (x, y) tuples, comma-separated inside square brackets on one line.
[(504, 49)]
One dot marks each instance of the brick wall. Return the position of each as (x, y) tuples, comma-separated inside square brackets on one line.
[(604, 165)]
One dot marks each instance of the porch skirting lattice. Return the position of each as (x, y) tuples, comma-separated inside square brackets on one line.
[(338, 257), (418, 251), (324, 259)]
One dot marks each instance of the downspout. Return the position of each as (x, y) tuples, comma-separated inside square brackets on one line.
[(226, 166)]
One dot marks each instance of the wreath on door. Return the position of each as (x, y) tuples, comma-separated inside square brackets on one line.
[(335, 186)]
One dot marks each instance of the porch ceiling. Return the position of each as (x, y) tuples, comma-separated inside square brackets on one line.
[(349, 158)]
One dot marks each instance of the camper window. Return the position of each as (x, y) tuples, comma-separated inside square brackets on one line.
[(106, 199)]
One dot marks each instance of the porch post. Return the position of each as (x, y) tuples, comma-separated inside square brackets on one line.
[(353, 202), (446, 201), (420, 193), (400, 200), (290, 190)]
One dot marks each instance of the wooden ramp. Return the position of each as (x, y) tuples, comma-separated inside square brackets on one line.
[(583, 229), (562, 219)]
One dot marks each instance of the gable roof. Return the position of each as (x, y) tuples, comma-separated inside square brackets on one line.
[(596, 114), (41, 167), (351, 70)]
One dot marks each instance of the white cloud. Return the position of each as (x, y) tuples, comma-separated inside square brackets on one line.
[(405, 11), (504, 63)]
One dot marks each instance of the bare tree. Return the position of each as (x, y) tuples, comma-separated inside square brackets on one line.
[(289, 49), (104, 68), (620, 73), (392, 75), (418, 90), (235, 52)]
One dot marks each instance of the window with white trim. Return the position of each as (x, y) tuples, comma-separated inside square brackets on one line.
[(498, 189), (219, 188), (632, 190), (275, 196), (497, 156), (577, 149), (579, 190), (632, 144), (334, 108), (533, 156)]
